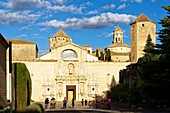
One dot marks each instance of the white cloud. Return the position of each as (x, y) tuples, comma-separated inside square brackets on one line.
[(94, 22), (44, 29), (10, 18), (89, 3), (25, 28), (63, 8), (22, 35), (61, 1), (122, 6), (111, 6), (92, 12), (37, 36), (109, 35), (26, 4)]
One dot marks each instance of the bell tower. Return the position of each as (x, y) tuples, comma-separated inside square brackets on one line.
[(117, 35), (59, 38), (140, 28)]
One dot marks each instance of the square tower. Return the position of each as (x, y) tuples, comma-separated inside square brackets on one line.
[(140, 28)]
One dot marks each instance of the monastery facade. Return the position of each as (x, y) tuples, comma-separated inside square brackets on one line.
[(69, 70)]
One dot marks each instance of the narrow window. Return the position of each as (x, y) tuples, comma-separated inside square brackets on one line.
[(143, 25)]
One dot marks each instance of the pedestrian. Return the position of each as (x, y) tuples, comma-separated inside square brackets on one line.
[(89, 104), (82, 102), (73, 103), (85, 101), (52, 103), (96, 104), (64, 103), (109, 103), (46, 103)]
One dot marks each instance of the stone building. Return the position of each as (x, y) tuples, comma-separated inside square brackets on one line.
[(120, 52), (3, 75), (131, 75), (69, 70), (140, 28), (23, 50)]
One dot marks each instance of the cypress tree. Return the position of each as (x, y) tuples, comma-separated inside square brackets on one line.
[(97, 53)]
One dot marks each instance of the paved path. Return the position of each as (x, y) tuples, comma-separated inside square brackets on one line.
[(84, 109)]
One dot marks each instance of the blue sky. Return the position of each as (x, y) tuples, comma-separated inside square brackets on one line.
[(87, 22)]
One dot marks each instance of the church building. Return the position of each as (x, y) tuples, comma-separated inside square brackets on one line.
[(73, 71)]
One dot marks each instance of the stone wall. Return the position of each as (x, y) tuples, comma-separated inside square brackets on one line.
[(139, 35), (3, 47), (43, 75), (24, 52)]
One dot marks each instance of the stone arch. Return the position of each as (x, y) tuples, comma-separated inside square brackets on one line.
[(68, 53)]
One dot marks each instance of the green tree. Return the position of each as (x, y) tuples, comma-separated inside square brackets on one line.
[(101, 56), (22, 86), (149, 50), (97, 53), (155, 74), (163, 48), (162, 78), (108, 55)]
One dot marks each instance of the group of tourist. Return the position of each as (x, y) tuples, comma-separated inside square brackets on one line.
[(87, 103), (52, 103)]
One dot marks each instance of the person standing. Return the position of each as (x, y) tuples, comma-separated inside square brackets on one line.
[(46, 103), (82, 102), (85, 101), (89, 104), (64, 103), (73, 103), (109, 103)]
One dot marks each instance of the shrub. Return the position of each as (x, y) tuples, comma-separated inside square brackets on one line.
[(34, 108)]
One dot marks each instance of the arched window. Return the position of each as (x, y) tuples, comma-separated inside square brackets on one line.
[(88, 51), (68, 54)]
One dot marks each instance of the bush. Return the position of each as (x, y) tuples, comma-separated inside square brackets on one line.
[(8, 110), (34, 108)]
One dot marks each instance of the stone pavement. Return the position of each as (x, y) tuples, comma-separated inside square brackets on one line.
[(82, 109)]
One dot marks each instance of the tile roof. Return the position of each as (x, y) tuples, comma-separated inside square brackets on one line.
[(141, 18), (16, 41), (118, 29), (61, 33), (118, 45)]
